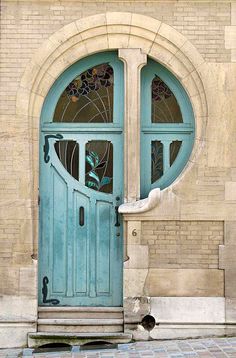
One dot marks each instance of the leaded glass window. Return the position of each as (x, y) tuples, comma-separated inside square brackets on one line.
[(165, 108), (88, 98), (68, 154), (99, 166), (167, 127)]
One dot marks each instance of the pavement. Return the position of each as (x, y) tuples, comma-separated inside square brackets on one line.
[(191, 348)]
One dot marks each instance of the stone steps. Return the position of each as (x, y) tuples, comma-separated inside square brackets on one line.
[(80, 319)]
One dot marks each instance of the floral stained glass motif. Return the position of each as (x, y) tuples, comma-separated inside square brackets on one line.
[(68, 153), (174, 150), (99, 166), (156, 160), (165, 108), (88, 98)]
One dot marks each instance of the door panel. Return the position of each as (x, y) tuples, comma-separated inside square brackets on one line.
[(83, 252)]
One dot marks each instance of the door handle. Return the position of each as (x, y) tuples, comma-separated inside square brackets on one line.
[(81, 216), (117, 216)]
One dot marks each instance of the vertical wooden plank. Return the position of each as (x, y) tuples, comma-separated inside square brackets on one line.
[(103, 237), (59, 230), (92, 248), (81, 245), (70, 244)]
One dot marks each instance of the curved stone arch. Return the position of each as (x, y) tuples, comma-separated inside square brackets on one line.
[(108, 31)]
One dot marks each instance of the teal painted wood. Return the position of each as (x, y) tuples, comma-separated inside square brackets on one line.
[(84, 264), (165, 132)]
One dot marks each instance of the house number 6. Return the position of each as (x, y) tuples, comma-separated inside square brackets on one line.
[(134, 233)]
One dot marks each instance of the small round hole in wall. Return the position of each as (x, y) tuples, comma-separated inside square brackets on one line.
[(148, 322)]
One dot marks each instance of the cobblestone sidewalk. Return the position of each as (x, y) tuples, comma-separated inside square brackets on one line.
[(218, 347)]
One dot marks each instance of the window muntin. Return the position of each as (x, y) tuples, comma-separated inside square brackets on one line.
[(88, 98), (167, 128)]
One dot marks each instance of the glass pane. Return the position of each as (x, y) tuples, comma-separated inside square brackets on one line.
[(88, 98), (99, 165), (165, 108), (174, 150), (68, 153), (157, 160)]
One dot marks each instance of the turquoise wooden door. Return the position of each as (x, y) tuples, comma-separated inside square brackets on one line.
[(81, 186)]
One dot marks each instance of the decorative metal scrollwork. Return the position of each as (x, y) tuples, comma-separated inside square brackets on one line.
[(46, 145), (54, 301)]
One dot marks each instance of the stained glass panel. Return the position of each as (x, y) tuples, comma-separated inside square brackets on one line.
[(156, 160), (99, 166), (165, 108), (68, 153), (174, 150), (88, 98)]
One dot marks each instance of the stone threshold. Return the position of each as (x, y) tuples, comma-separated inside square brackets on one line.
[(75, 339)]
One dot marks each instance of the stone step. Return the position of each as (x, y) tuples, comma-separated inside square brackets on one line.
[(81, 312), (80, 325), (41, 338), (81, 322)]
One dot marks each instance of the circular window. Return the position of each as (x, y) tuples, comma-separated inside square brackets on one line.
[(167, 128)]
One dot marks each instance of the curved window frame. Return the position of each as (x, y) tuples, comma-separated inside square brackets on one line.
[(165, 132), (70, 74)]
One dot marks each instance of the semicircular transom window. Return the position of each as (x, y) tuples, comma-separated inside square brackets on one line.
[(88, 98), (167, 128)]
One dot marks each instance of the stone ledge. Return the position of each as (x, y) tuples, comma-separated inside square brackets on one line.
[(39, 339)]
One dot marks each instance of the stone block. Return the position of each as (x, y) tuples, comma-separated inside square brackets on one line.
[(20, 308), (230, 283), (94, 21), (230, 191), (135, 309), (28, 281), (65, 33), (182, 282), (134, 280), (148, 23), (230, 37), (116, 41), (187, 331), (230, 310), (171, 35), (15, 334), (230, 232), (120, 18), (233, 13), (188, 309), (134, 232), (227, 257), (138, 257)]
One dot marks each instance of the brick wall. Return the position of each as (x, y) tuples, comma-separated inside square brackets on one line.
[(183, 244)]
